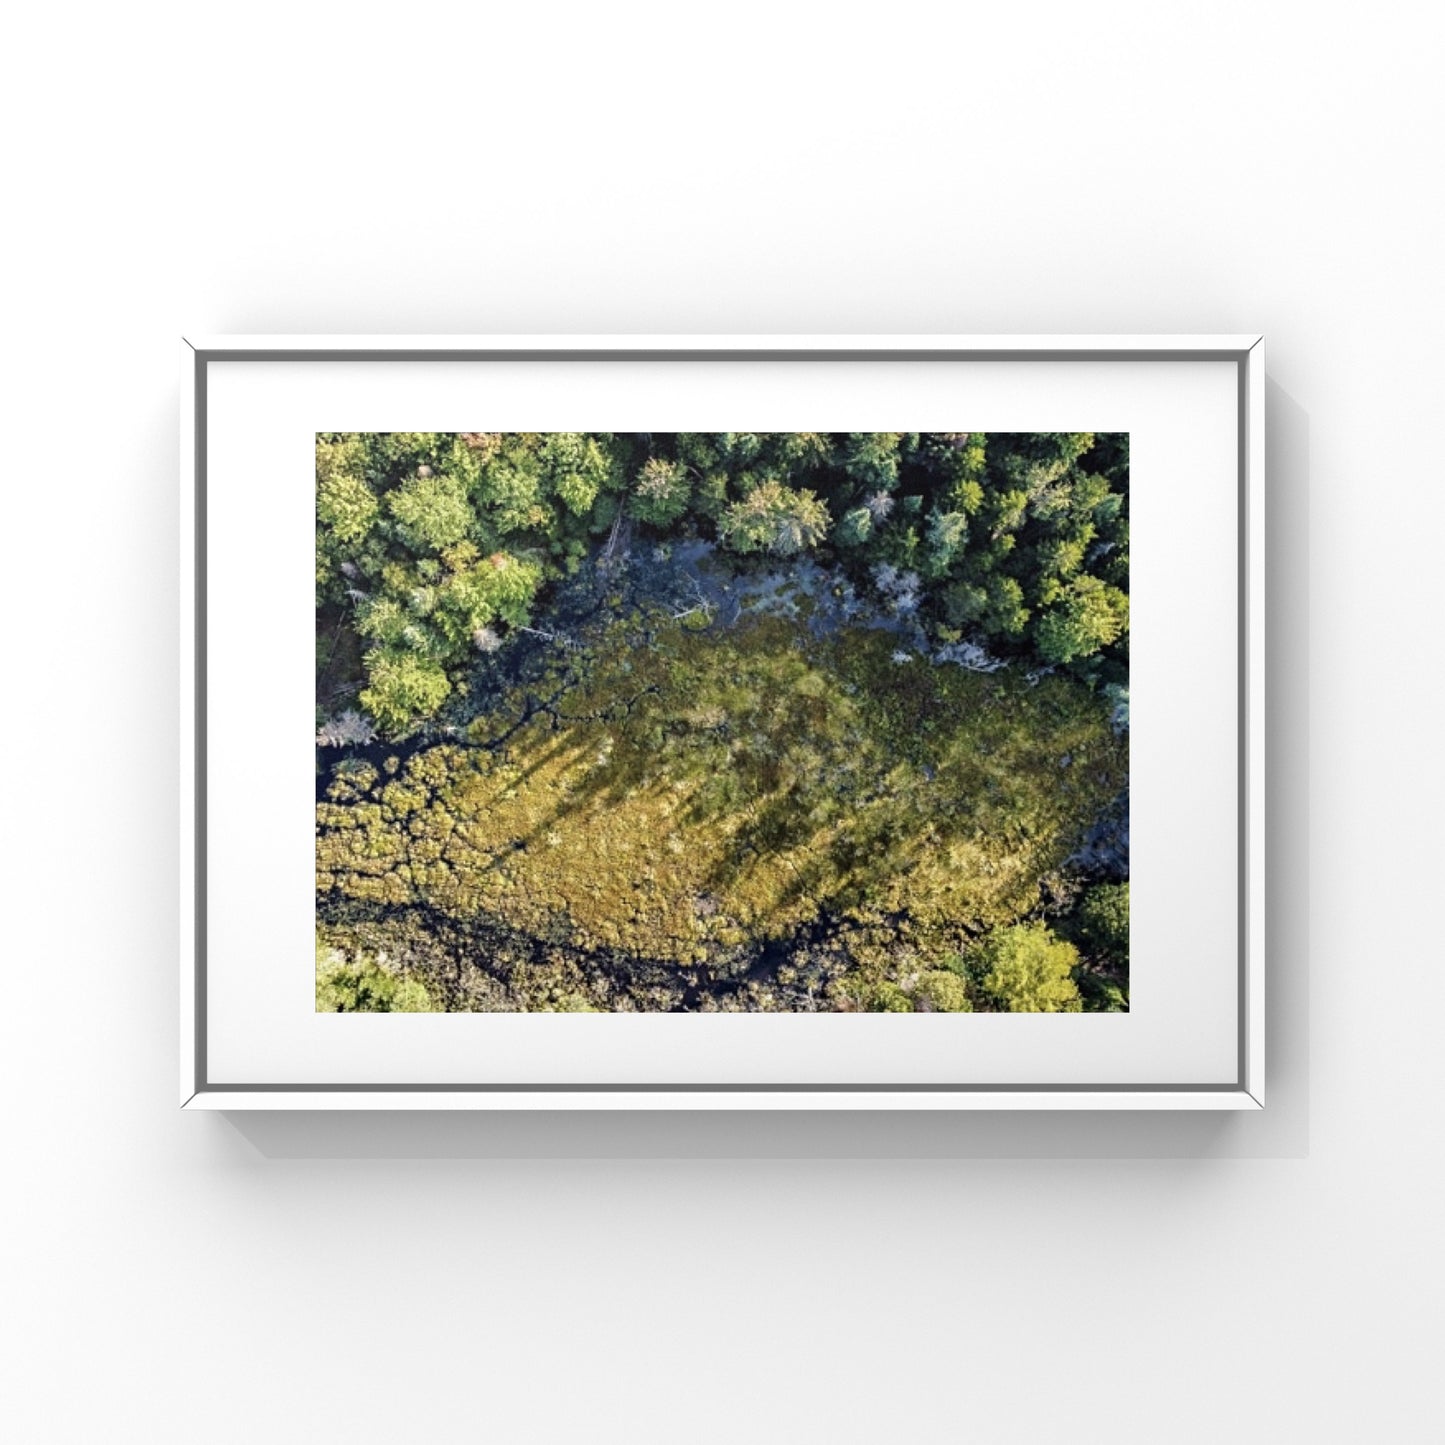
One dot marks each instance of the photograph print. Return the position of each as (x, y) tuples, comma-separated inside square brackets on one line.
[(722, 722)]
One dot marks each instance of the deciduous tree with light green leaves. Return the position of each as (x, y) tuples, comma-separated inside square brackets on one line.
[(774, 518), (1030, 970), (577, 467), (346, 506), (940, 991), (661, 491), (431, 512), (403, 688), (1089, 615)]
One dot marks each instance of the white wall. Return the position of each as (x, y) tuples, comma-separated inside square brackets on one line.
[(753, 167)]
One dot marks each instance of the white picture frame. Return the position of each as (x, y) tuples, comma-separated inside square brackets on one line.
[(221, 405)]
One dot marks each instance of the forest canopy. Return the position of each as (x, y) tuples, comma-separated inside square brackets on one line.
[(431, 547)]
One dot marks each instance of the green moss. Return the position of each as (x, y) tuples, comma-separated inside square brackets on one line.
[(1030, 970)]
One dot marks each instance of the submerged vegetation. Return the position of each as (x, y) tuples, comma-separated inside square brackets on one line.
[(722, 722)]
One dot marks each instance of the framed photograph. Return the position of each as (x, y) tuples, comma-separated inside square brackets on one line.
[(722, 722)]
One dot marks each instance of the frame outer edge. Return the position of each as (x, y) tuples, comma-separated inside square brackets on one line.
[(187, 721), (1224, 344), (586, 1101), (1256, 896), (1250, 1094)]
